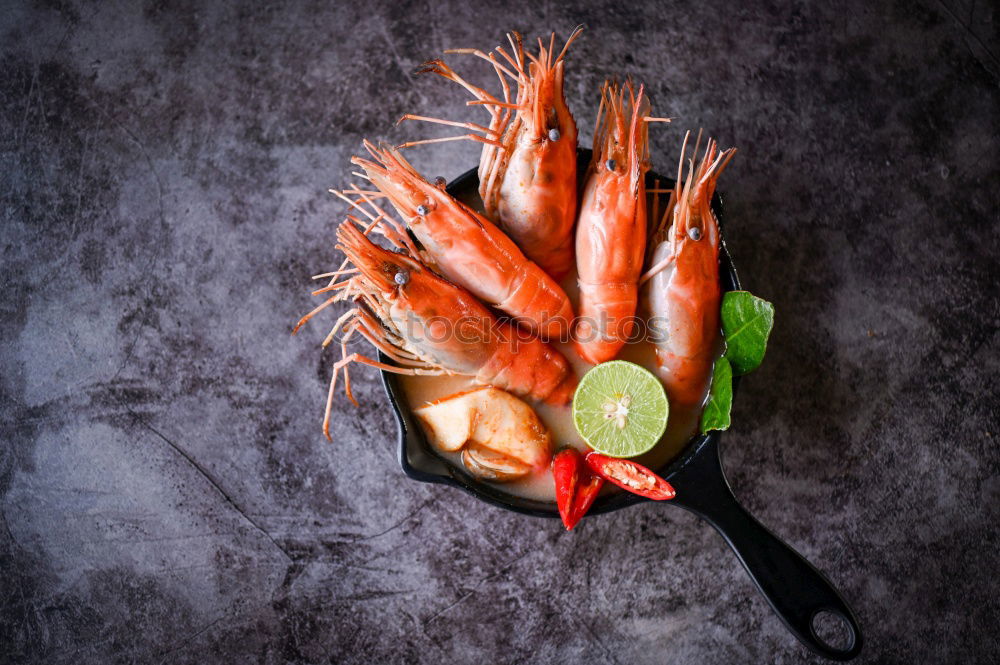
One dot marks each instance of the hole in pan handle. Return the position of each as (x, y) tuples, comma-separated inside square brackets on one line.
[(798, 593)]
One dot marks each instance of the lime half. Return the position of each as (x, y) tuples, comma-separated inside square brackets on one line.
[(620, 409)]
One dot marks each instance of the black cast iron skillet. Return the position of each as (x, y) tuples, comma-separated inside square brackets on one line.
[(795, 589)]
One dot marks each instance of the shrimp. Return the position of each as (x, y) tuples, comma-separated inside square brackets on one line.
[(527, 169), (467, 248), (429, 326), (611, 231), (683, 295)]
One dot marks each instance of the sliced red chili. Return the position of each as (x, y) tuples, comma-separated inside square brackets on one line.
[(576, 486), (566, 472), (586, 491), (630, 476)]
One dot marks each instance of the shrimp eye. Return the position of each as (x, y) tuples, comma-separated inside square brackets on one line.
[(694, 233), (610, 164), (422, 210), (402, 277), (554, 134), (440, 181)]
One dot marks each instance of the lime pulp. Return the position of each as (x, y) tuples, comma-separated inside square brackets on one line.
[(620, 409)]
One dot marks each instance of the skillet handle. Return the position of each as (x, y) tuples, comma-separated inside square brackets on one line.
[(795, 589)]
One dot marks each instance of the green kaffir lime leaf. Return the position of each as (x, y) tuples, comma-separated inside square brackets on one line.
[(720, 398), (746, 323)]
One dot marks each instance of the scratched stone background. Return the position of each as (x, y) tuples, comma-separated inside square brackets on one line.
[(166, 494)]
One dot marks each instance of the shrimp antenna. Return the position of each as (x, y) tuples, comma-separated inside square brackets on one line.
[(487, 135), (576, 33), (479, 54)]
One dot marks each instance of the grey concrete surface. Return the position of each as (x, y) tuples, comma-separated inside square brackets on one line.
[(166, 494)]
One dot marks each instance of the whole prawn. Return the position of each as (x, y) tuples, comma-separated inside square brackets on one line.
[(684, 293), (527, 169), (611, 230), (465, 247), (429, 326)]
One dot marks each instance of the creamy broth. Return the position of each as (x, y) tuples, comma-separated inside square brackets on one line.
[(682, 423)]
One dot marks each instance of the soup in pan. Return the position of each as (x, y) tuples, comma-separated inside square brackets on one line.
[(682, 423)]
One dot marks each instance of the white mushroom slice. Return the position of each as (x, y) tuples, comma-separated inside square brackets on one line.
[(490, 418), (448, 421), (489, 465)]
